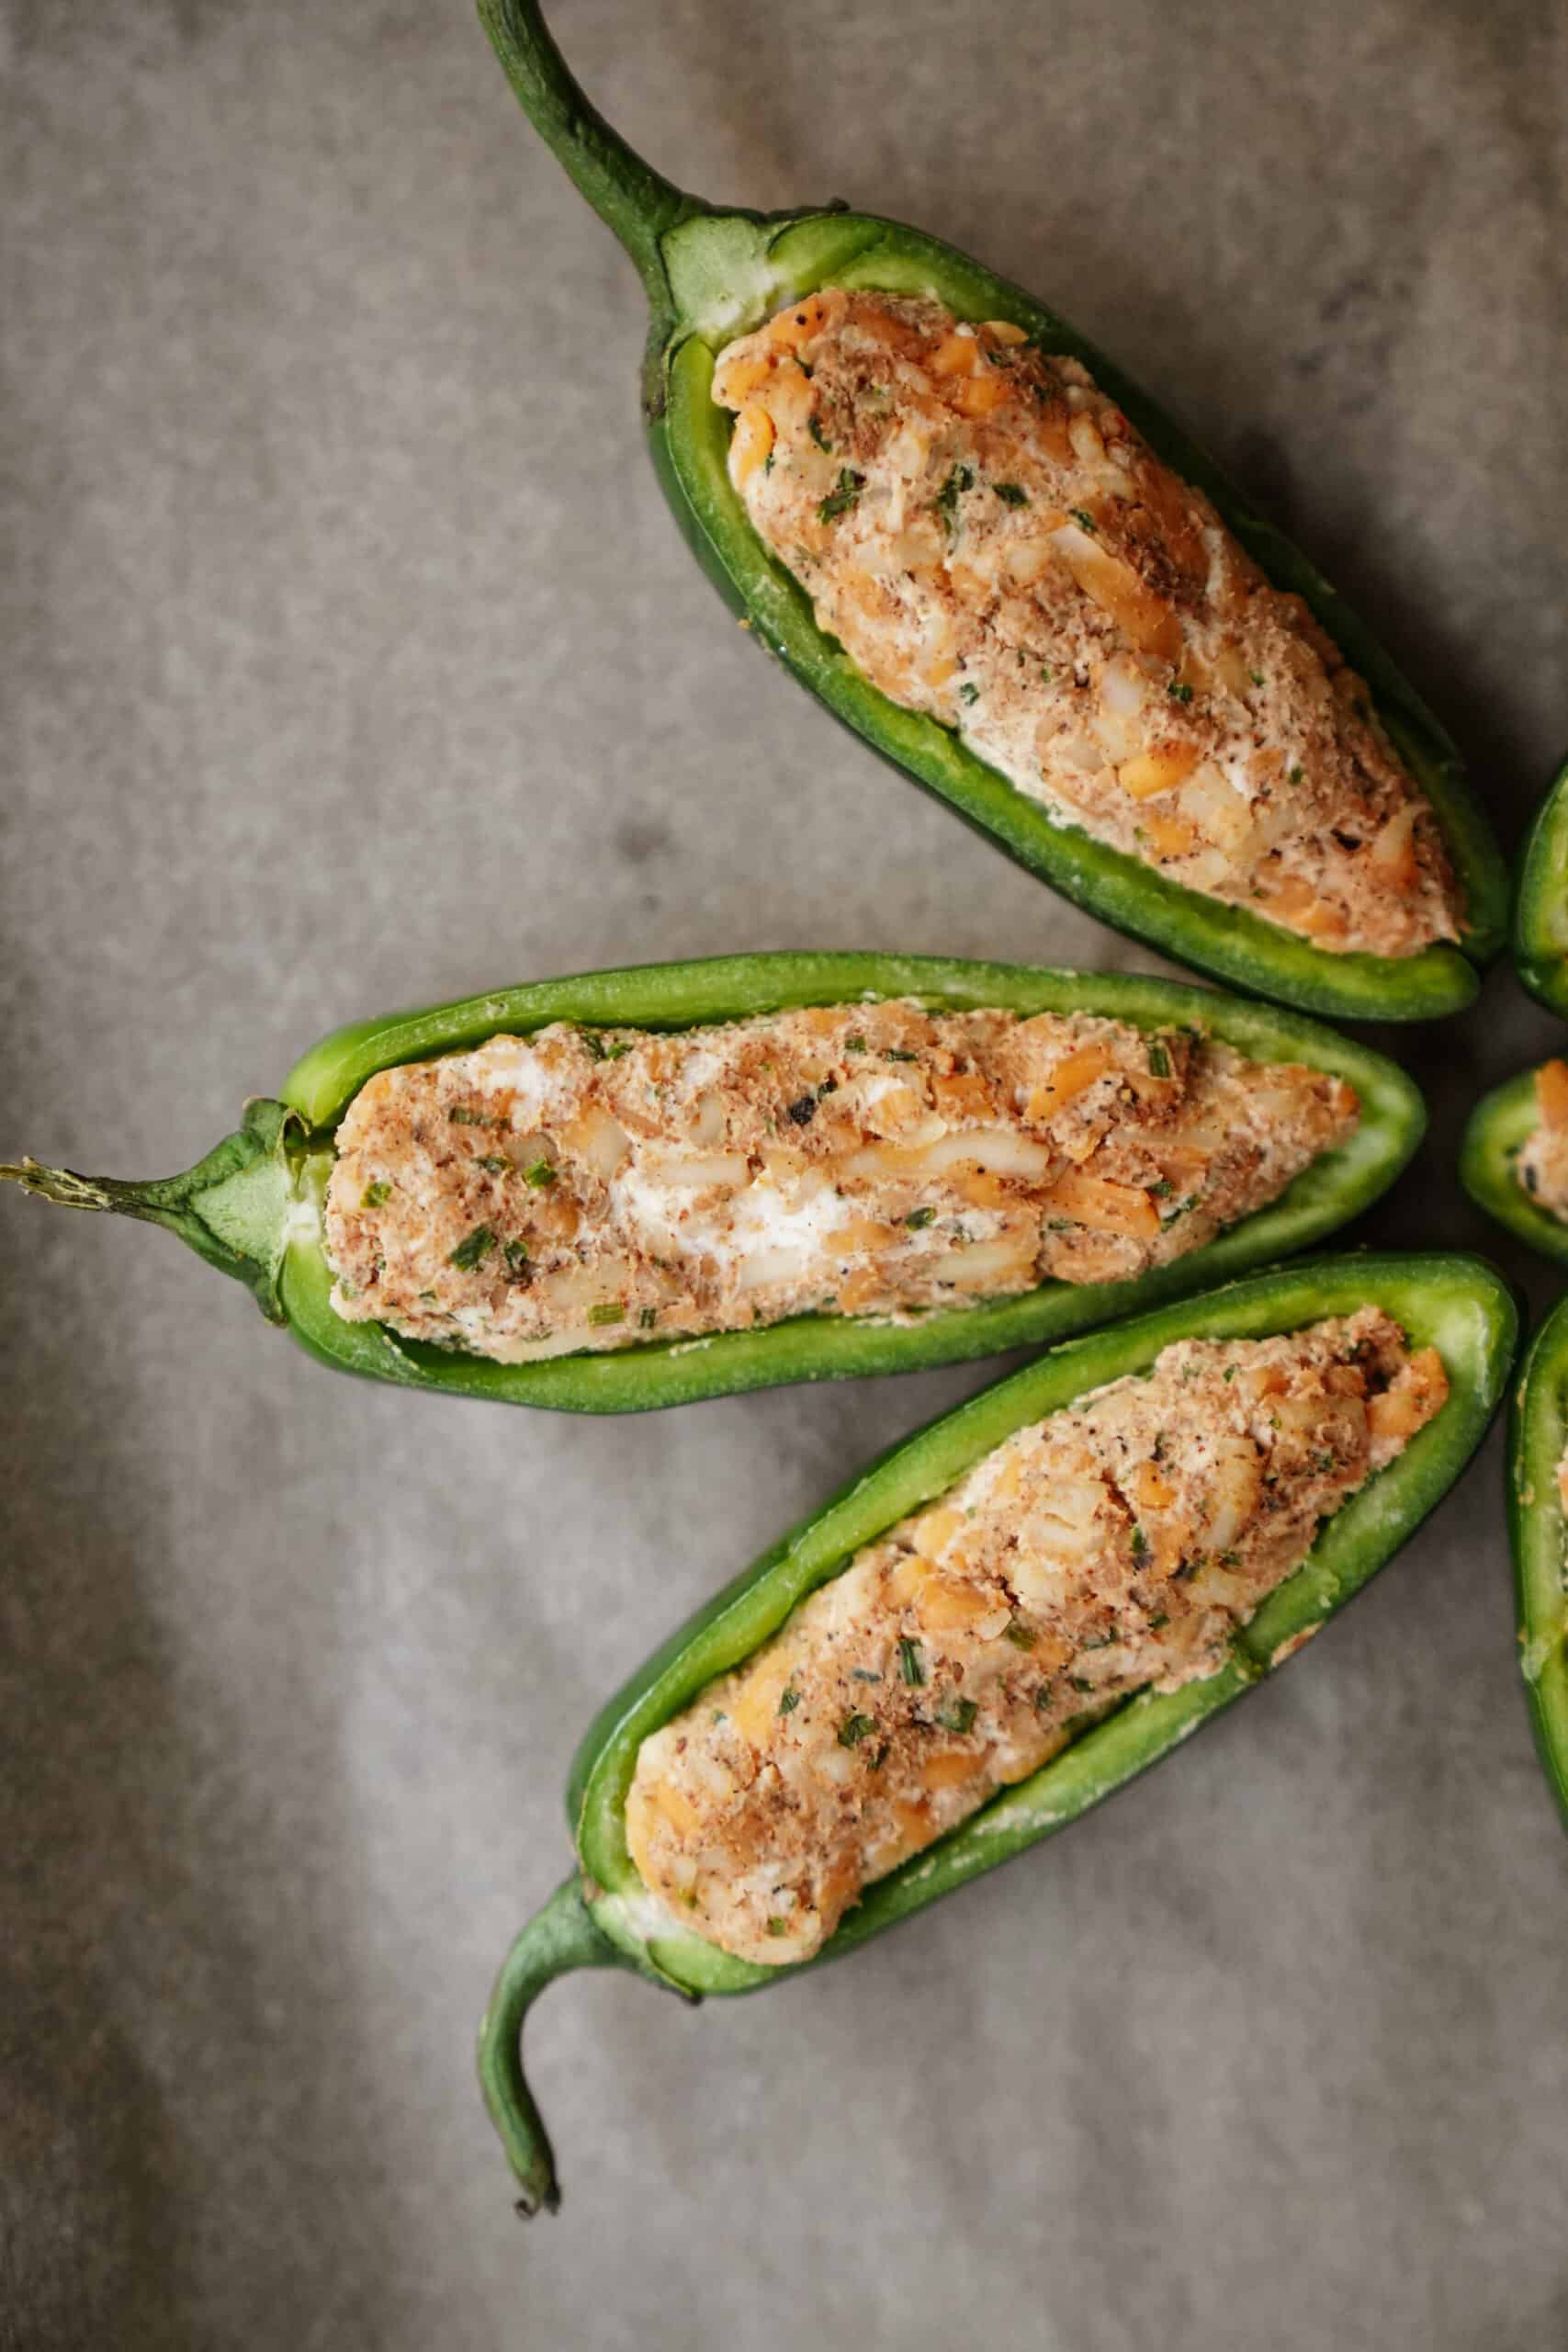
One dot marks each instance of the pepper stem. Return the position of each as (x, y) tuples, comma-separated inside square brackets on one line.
[(231, 1208), (639, 203), (556, 1939)]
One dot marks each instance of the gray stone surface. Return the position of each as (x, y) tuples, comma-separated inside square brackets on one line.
[(349, 659)]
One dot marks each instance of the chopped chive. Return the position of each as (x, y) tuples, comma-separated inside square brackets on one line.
[(855, 1045), (1159, 1061), (375, 1194), (911, 1662), (648, 1317), (1296, 774), (461, 1115), (1140, 1545), (814, 426), (516, 1256), (968, 693), (605, 1050), (957, 1716), (1179, 690), (960, 479), (1011, 493), (541, 1173), (788, 1704), (919, 1217), (1084, 519), (897, 1054), (495, 1163), (1257, 678), (1079, 1685), (839, 500), (883, 1750), (775, 1927), (854, 1729), (1021, 1636), (608, 1310), (1230, 1372), (1046, 672), (1155, 1622), (472, 1247), (1162, 1190)]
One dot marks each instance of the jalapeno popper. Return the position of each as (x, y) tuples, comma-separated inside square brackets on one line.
[(1541, 902), (640, 1187), (1538, 1526), (1009, 1616), (1001, 564), (1513, 1156)]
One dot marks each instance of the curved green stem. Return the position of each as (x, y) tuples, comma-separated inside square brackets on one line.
[(639, 203), (231, 1208), (556, 1939)]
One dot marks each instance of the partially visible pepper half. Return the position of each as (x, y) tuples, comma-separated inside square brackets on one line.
[(713, 274), (252, 1207), (1540, 901), (1491, 1170), (602, 1915), (1538, 1527)]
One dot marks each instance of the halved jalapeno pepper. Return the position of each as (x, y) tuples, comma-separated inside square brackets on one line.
[(603, 1916), (1541, 902), (1538, 1527), (252, 1206), (712, 275), (1491, 1169)]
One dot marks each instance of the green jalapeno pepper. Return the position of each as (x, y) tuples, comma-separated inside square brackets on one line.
[(1459, 1305), (712, 275), (1541, 902), (1538, 1529), (1488, 1165), (252, 1206)]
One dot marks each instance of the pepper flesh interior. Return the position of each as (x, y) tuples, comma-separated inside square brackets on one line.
[(993, 544), (1112, 1547), (584, 1190), (1541, 1165)]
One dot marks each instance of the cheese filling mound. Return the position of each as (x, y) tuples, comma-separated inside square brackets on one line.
[(1542, 1166), (1113, 1547), (589, 1189), (994, 545)]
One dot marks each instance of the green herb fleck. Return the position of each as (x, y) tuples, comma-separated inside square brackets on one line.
[(1257, 678), (1179, 690), (375, 1194), (1021, 1636), (1046, 672), (605, 1050), (1325, 1460), (1079, 1684), (516, 1256), (462, 1116), (541, 1173), (1296, 774), (814, 426), (957, 1716), (1140, 1545), (960, 479), (1083, 518), (1159, 1061), (883, 1750), (1011, 493), (854, 1729), (1163, 1189), (863, 1674), (789, 1703), (855, 1045), (911, 1662), (647, 1318), (968, 693), (917, 1218), (1230, 1372), (775, 1927), (839, 500), (608, 1310), (1155, 1622), (897, 1054), (495, 1163), (473, 1247)]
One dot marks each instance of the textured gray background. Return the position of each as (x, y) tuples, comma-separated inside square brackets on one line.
[(349, 659)]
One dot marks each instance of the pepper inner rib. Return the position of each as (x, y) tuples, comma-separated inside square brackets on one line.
[(587, 1190), (1113, 1547), (993, 544)]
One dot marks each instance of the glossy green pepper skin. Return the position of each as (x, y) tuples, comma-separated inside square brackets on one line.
[(1538, 1437), (596, 1918), (251, 1207), (710, 275), (1541, 902), (1499, 1125)]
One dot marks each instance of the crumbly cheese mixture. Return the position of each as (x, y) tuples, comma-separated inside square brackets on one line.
[(1109, 1548), (1542, 1166), (587, 1189), (993, 544)]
